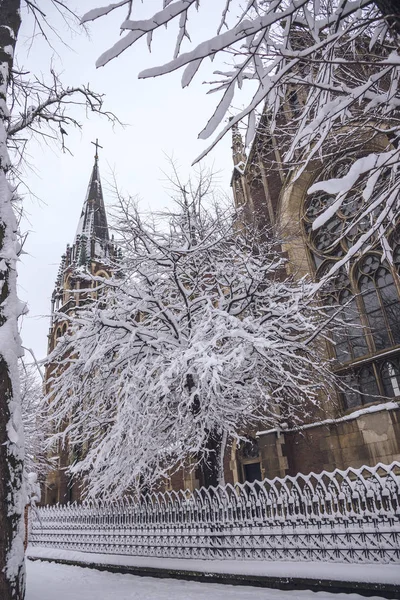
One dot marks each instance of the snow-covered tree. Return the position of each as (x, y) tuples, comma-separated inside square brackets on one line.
[(200, 336), (36, 463), (327, 70), (29, 106), (34, 422)]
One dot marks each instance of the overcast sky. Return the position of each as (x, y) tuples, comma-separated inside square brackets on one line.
[(162, 119)]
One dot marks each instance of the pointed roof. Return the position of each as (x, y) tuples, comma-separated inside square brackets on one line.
[(238, 149), (92, 247), (93, 220)]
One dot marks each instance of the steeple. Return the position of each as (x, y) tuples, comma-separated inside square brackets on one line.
[(238, 150), (92, 252), (93, 220)]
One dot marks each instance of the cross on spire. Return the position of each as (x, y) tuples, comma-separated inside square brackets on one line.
[(96, 143)]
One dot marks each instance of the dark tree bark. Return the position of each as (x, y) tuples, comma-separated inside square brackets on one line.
[(12, 581), (391, 11), (210, 467)]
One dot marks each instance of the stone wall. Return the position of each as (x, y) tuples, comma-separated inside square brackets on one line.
[(366, 439)]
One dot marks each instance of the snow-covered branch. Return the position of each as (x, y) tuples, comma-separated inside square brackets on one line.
[(33, 419), (327, 80), (40, 108)]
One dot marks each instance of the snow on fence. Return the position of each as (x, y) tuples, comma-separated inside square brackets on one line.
[(343, 516)]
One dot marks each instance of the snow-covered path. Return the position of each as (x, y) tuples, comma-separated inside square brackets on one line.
[(50, 581)]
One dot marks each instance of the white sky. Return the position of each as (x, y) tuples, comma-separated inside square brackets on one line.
[(163, 119)]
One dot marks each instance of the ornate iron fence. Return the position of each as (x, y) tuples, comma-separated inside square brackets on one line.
[(343, 516)]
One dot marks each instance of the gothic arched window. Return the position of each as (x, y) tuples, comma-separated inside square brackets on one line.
[(381, 301), (349, 342), (367, 350)]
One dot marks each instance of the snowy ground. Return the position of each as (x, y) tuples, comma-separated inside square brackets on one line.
[(366, 572), (50, 581)]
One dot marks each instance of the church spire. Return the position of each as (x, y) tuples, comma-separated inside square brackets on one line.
[(238, 149), (92, 252), (93, 220)]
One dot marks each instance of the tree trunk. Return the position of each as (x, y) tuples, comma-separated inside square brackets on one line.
[(12, 497), (210, 466)]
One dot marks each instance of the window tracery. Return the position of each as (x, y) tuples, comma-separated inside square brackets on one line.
[(367, 289)]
